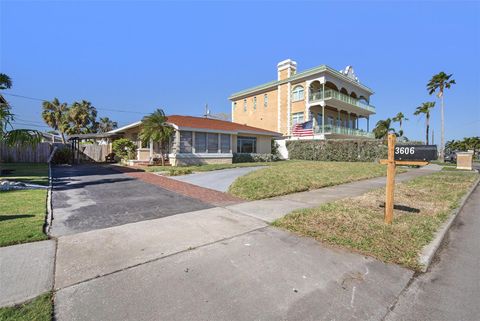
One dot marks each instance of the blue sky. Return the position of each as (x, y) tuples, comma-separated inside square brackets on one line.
[(137, 56)]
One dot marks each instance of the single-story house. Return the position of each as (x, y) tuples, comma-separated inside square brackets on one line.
[(201, 140)]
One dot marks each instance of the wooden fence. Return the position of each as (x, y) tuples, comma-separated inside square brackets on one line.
[(25, 154), (94, 152)]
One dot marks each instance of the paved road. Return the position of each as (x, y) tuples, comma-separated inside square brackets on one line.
[(88, 197), (218, 180), (451, 289)]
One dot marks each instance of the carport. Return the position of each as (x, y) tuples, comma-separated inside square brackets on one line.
[(97, 151)]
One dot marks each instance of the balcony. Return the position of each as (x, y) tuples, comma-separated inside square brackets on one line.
[(343, 131), (343, 99)]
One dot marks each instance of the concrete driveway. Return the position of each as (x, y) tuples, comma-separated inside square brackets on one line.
[(218, 180), (89, 197)]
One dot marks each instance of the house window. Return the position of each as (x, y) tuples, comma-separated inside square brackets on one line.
[(185, 142), (298, 93), (212, 143), (255, 103), (246, 144), (225, 143), (245, 104), (265, 101), (319, 119), (200, 142), (297, 118)]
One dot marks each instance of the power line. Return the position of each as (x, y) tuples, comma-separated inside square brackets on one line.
[(106, 109)]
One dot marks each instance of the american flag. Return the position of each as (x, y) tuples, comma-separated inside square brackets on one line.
[(303, 129)]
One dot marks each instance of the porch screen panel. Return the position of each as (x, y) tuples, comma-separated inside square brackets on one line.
[(212, 140), (185, 142), (200, 142), (225, 143)]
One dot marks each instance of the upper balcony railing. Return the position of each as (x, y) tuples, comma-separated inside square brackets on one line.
[(331, 129), (318, 95)]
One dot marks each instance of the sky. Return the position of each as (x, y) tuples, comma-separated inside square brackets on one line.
[(130, 57)]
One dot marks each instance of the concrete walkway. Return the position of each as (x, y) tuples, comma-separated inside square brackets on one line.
[(26, 270), (451, 289), (219, 180), (223, 263)]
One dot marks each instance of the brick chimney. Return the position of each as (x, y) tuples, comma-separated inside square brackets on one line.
[(286, 69)]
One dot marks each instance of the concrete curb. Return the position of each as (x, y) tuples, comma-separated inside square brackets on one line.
[(426, 256), (49, 215)]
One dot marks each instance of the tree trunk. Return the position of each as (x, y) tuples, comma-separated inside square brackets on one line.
[(63, 137), (442, 133), (428, 127)]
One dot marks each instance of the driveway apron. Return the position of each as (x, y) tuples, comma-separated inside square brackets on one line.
[(89, 197)]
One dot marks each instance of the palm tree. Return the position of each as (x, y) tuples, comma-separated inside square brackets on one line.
[(400, 118), (5, 82), (55, 115), (7, 134), (382, 128), (105, 125), (82, 118), (155, 129), (425, 109), (440, 82)]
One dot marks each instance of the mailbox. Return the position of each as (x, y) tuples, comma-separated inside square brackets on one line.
[(416, 152)]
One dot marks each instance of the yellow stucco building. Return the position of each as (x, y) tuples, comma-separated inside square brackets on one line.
[(318, 103)]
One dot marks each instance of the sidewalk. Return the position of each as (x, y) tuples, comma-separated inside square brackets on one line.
[(26, 270)]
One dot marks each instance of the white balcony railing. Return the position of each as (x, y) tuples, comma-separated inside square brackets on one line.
[(329, 94), (331, 129)]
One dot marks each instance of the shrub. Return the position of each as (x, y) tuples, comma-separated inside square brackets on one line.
[(249, 158), (124, 148), (337, 150), (179, 171), (63, 155)]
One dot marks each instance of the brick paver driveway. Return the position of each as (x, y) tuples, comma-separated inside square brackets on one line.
[(89, 197)]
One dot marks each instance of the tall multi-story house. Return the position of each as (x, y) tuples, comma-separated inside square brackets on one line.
[(318, 103)]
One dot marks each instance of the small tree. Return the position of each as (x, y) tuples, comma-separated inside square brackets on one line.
[(382, 128), (155, 129), (55, 115), (124, 148)]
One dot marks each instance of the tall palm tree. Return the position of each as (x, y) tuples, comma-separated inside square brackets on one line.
[(82, 118), (425, 109), (155, 129), (106, 124), (382, 128), (400, 118), (440, 82), (5, 82), (55, 115)]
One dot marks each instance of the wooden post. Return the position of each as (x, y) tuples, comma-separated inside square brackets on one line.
[(390, 180)]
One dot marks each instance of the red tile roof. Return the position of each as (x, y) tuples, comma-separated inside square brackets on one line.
[(215, 124)]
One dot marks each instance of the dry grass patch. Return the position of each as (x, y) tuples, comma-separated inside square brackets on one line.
[(356, 223)]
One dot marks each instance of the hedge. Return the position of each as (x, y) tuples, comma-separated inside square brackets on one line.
[(250, 158), (337, 150)]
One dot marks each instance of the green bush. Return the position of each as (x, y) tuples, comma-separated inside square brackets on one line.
[(63, 155), (179, 171), (124, 148), (337, 150), (250, 158)]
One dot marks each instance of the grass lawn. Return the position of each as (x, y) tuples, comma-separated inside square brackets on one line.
[(421, 206), (38, 309), (202, 168), (22, 212), (26, 172), (296, 176)]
